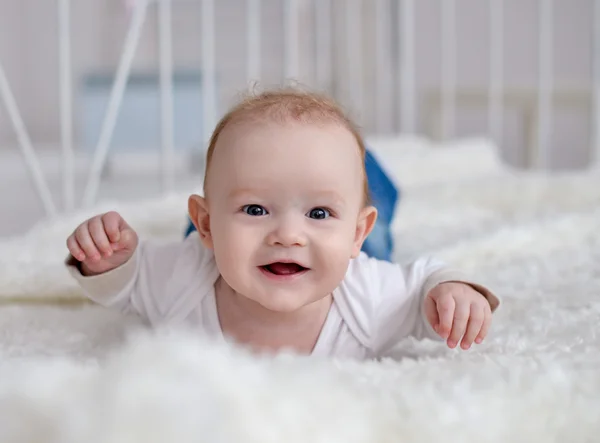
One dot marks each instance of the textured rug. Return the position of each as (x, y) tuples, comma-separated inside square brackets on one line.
[(72, 372)]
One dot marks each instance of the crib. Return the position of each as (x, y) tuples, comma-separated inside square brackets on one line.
[(526, 225), (363, 53)]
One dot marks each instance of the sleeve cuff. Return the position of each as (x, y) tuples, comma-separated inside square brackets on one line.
[(452, 275), (104, 288)]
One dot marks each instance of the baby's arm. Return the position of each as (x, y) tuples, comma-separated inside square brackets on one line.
[(417, 299), (117, 271)]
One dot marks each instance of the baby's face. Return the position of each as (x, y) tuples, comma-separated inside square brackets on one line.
[(285, 204)]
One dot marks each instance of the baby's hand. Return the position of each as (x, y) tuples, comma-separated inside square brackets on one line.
[(102, 243), (457, 311)]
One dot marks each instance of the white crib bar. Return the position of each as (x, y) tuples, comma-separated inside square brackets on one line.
[(383, 84), (253, 41), (354, 50), (292, 41), (496, 102), (26, 146), (116, 97), (595, 155), (545, 82), (323, 43), (166, 93), (407, 66), (448, 45), (209, 77), (66, 103)]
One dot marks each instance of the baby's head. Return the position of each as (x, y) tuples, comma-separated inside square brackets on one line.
[(285, 204)]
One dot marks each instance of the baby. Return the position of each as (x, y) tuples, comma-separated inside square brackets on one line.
[(276, 262)]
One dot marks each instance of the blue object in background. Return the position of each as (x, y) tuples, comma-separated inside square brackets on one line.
[(384, 195)]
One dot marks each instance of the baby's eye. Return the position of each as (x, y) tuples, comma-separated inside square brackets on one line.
[(254, 210), (319, 213)]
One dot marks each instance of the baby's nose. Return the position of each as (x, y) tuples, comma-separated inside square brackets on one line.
[(288, 234)]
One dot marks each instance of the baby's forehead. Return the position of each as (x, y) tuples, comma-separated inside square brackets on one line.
[(317, 151), (323, 155), (264, 134)]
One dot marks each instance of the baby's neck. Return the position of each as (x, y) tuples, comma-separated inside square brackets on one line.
[(251, 324)]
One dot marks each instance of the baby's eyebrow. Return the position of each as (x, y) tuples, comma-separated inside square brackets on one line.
[(320, 196), (331, 196), (245, 192)]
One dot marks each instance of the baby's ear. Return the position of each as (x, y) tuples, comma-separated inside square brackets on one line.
[(198, 212), (366, 221)]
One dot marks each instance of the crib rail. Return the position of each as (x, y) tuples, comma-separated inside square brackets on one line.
[(446, 101), (596, 82)]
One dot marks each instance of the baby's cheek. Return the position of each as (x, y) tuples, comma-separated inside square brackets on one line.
[(339, 242), (226, 241), (333, 273), (335, 253)]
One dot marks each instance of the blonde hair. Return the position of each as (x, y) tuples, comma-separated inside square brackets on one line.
[(285, 105)]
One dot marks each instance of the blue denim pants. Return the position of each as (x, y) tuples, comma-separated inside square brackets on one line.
[(385, 196)]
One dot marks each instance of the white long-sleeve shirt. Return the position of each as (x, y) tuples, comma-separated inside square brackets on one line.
[(376, 305)]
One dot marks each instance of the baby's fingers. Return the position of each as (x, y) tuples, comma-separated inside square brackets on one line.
[(112, 225), (85, 242), (476, 320), (445, 307), (98, 234), (459, 326), (74, 248), (487, 321)]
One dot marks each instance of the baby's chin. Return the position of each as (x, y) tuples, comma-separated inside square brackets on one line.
[(287, 303), (290, 307)]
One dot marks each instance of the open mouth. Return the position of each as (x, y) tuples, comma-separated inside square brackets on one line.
[(282, 269)]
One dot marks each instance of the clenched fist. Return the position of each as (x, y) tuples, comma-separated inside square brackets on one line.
[(458, 313), (102, 243)]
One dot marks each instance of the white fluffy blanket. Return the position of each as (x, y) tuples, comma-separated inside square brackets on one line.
[(74, 373)]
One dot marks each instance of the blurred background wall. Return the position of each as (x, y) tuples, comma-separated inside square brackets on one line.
[(28, 50), (355, 67)]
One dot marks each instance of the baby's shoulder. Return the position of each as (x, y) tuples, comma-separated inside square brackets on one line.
[(366, 284), (367, 288), (376, 296), (371, 284), (178, 262), (368, 276)]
